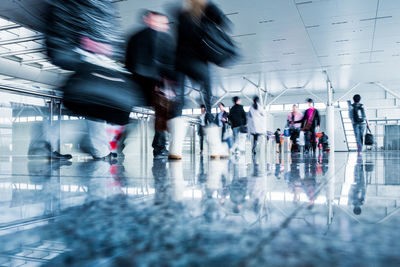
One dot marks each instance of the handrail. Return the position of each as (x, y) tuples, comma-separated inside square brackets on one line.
[(28, 92)]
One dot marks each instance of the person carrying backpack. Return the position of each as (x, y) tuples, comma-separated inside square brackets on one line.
[(358, 118)]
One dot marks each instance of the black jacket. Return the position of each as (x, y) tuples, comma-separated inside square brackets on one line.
[(237, 116), (358, 118), (151, 54), (316, 121), (190, 58)]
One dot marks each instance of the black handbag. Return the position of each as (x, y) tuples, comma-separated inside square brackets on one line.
[(217, 46), (369, 138), (100, 93), (243, 129)]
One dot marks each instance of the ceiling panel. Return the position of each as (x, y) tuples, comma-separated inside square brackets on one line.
[(285, 42)]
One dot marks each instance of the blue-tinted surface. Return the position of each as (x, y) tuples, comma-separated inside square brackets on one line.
[(337, 209)]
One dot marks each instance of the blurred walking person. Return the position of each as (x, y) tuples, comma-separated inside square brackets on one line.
[(256, 122), (150, 59), (89, 42), (278, 142), (197, 20), (238, 119), (294, 128), (310, 124), (358, 118), (222, 121), (202, 125)]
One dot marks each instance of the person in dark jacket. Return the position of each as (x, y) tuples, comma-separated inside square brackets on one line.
[(222, 119), (150, 59), (278, 142), (237, 117), (358, 118), (309, 124), (191, 60), (323, 142), (150, 53), (202, 119)]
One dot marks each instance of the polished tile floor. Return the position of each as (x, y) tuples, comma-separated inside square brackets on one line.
[(269, 210)]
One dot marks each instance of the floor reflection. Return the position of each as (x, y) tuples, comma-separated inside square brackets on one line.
[(265, 201)]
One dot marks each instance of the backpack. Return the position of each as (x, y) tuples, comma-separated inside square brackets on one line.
[(216, 45), (358, 113)]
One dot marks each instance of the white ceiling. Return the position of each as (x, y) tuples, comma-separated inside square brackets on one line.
[(286, 43)]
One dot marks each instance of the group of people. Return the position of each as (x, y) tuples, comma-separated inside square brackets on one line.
[(235, 123), (297, 123), (309, 125), (159, 66)]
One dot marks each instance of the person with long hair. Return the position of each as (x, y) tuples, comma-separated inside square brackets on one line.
[(256, 122)]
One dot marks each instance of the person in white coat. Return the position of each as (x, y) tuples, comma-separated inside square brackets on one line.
[(256, 123)]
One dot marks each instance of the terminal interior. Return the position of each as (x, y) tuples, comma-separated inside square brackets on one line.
[(338, 208)]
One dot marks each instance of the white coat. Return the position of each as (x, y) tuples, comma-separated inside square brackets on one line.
[(256, 122)]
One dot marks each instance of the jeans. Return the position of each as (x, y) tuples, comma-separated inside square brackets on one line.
[(201, 135), (255, 141), (235, 132), (359, 130), (96, 139), (310, 142), (159, 143), (201, 76)]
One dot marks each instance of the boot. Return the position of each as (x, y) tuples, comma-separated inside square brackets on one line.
[(217, 148), (177, 130)]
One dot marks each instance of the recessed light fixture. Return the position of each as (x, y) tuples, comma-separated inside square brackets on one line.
[(233, 13), (243, 35), (266, 21), (304, 3), (339, 22), (373, 51), (376, 18), (269, 61)]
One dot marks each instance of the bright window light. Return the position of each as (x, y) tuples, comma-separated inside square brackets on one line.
[(303, 106), (276, 108), (343, 104), (196, 111), (187, 112), (320, 105), (288, 107)]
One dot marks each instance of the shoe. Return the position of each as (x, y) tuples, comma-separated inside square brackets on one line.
[(216, 148), (114, 155), (110, 158), (57, 156), (174, 157)]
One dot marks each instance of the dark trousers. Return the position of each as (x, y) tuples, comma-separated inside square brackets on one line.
[(199, 73), (201, 135), (159, 143), (255, 142), (147, 85), (310, 141)]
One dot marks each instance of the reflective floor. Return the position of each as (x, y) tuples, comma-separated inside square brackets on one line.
[(286, 210)]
